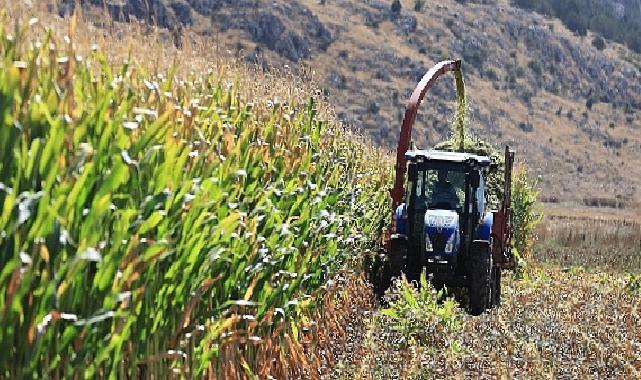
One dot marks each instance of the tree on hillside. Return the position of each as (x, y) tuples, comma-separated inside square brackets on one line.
[(396, 6), (598, 42), (596, 15)]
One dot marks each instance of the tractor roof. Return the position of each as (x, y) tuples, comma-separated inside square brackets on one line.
[(438, 155)]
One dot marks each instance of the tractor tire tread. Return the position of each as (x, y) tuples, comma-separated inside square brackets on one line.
[(480, 281)]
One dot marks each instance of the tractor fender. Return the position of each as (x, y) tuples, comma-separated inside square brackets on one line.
[(400, 219), (484, 229)]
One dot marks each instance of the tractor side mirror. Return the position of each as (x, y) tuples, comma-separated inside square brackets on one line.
[(475, 179), (412, 173)]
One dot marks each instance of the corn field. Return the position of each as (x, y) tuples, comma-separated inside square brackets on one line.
[(610, 244), (157, 225)]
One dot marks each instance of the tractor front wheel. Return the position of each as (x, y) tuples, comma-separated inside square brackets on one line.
[(388, 266), (480, 282)]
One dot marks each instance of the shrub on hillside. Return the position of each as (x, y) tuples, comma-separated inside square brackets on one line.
[(396, 6), (598, 42), (474, 55), (536, 67)]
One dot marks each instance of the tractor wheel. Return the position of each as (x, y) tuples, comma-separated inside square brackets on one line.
[(397, 257), (376, 268), (388, 266), (496, 288), (480, 282), (413, 265)]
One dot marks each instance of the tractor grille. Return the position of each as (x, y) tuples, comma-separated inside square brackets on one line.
[(438, 242)]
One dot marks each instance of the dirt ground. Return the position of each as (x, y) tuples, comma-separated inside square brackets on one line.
[(556, 323)]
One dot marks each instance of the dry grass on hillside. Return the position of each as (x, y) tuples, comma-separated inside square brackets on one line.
[(569, 144)]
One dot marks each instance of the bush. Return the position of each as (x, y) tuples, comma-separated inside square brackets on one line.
[(474, 56), (633, 284), (524, 93), (526, 212), (418, 316), (491, 75), (526, 127), (536, 67), (598, 42), (396, 6)]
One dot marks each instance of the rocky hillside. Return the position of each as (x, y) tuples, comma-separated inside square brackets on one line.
[(618, 20), (570, 108)]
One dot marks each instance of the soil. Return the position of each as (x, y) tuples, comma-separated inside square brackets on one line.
[(553, 323)]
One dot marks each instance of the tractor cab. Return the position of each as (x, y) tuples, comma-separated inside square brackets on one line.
[(443, 225), (445, 201)]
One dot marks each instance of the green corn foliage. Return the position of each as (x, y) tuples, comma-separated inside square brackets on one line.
[(420, 317), (526, 212), (139, 209)]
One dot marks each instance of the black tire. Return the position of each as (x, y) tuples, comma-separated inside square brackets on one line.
[(387, 267), (413, 265), (480, 282), (496, 288), (378, 274), (397, 257)]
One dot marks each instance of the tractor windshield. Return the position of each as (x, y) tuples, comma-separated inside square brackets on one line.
[(441, 188)]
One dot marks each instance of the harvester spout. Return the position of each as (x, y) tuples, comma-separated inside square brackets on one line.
[(410, 116)]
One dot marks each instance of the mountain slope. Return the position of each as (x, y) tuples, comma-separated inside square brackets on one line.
[(570, 109)]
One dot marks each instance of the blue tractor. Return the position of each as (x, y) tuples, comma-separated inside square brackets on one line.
[(442, 223), (444, 226)]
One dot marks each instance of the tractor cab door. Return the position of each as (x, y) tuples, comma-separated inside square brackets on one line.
[(415, 203), (480, 196)]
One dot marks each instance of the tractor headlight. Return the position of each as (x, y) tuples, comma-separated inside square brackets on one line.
[(428, 244), (449, 247)]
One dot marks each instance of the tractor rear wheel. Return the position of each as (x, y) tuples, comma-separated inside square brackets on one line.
[(378, 268), (480, 282), (496, 286)]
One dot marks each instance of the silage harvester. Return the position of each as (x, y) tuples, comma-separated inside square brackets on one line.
[(441, 222)]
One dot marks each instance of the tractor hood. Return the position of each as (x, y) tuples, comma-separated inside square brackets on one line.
[(442, 235)]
